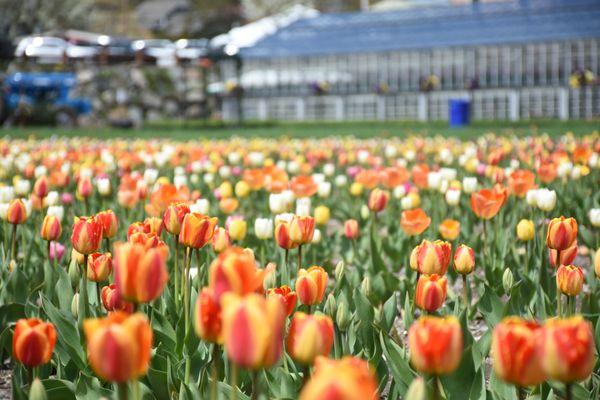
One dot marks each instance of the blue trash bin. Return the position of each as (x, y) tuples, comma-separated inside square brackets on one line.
[(458, 112)]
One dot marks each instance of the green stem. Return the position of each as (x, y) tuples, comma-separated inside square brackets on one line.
[(136, 390), (13, 243), (186, 308), (305, 375), (107, 244), (234, 379), (569, 391), (255, 386), (465, 292), (83, 292), (436, 388), (176, 271), (122, 391), (214, 372), (520, 392), (559, 305), (287, 266), (299, 257)]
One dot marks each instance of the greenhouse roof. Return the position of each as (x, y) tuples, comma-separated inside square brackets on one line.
[(433, 27)]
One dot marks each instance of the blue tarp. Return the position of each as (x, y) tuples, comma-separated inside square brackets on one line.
[(432, 27)]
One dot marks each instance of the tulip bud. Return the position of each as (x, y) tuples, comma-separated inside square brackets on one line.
[(84, 187), (263, 228), (242, 189), (515, 352), (309, 336), (546, 199), (220, 240), (302, 229), (365, 287), (507, 280), (436, 344), (433, 257), (234, 270), (356, 189), (340, 269), (197, 230), (364, 212), (351, 229), (16, 212), (75, 306), (51, 228), (569, 279), (37, 390), (464, 260), (173, 217), (282, 235), (417, 390), (378, 200), (99, 266), (74, 274), (237, 229), (525, 230), (568, 350), (342, 317), (330, 306), (311, 284), (322, 215), (562, 232), (431, 292), (112, 300), (208, 317), (86, 235), (33, 342)]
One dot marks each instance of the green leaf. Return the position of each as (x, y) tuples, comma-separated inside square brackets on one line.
[(399, 366), (491, 306), (390, 310), (59, 389), (461, 380)]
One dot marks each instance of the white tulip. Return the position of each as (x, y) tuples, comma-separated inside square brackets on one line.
[(362, 156), (150, 175), (448, 174), (546, 199), (234, 158), (406, 203), (56, 211), (208, 178), (284, 217), (263, 228), (594, 215), (103, 185), (7, 193), (434, 180), (256, 158), (276, 203), (318, 178), (329, 169), (3, 210), (51, 199), (40, 170), (196, 167), (399, 192), (453, 197), (201, 206), (22, 187), (593, 161), (469, 184), (324, 189), (364, 212), (390, 151), (179, 170), (564, 169), (293, 167), (225, 171), (410, 155), (531, 197), (341, 180), (28, 206), (576, 172), (180, 181), (316, 236), (446, 156), (303, 206)]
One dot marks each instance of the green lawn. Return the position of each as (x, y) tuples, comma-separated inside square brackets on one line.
[(197, 129)]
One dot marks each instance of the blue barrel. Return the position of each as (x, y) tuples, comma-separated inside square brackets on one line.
[(458, 112)]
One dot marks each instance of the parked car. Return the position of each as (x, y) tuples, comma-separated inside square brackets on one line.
[(42, 97), (161, 51), (191, 49), (53, 49), (119, 50)]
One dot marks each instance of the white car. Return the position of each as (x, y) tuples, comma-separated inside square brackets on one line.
[(191, 49), (160, 50), (52, 49)]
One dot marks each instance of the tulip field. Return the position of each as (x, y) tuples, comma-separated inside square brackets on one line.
[(331, 268)]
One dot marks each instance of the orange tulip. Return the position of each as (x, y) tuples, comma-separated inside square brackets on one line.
[(436, 344), (562, 233), (303, 186), (140, 273), (282, 235), (569, 279), (84, 187), (419, 175), (234, 270), (378, 200), (464, 260), (368, 178), (112, 300), (414, 222), (173, 217), (567, 256), (16, 213), (149, 241), (119, 346), (351, 229), (311, 285), (197, 230), (287, 297), (208, 317), (33, 342), (487, 202), (347, 379), (547, 172), (110, 223), (86, 235), (309, 336), (51, 228), (253, 329), (229, 205), (568, 350), (154, 225), (392, 177), (433, 257), (520, 182), (302, 229), (221, 239), (449, 229), (431, 292), (99, 266), (276, 179), (515, 352), (41, 187), (255, 178), (163, 196)]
